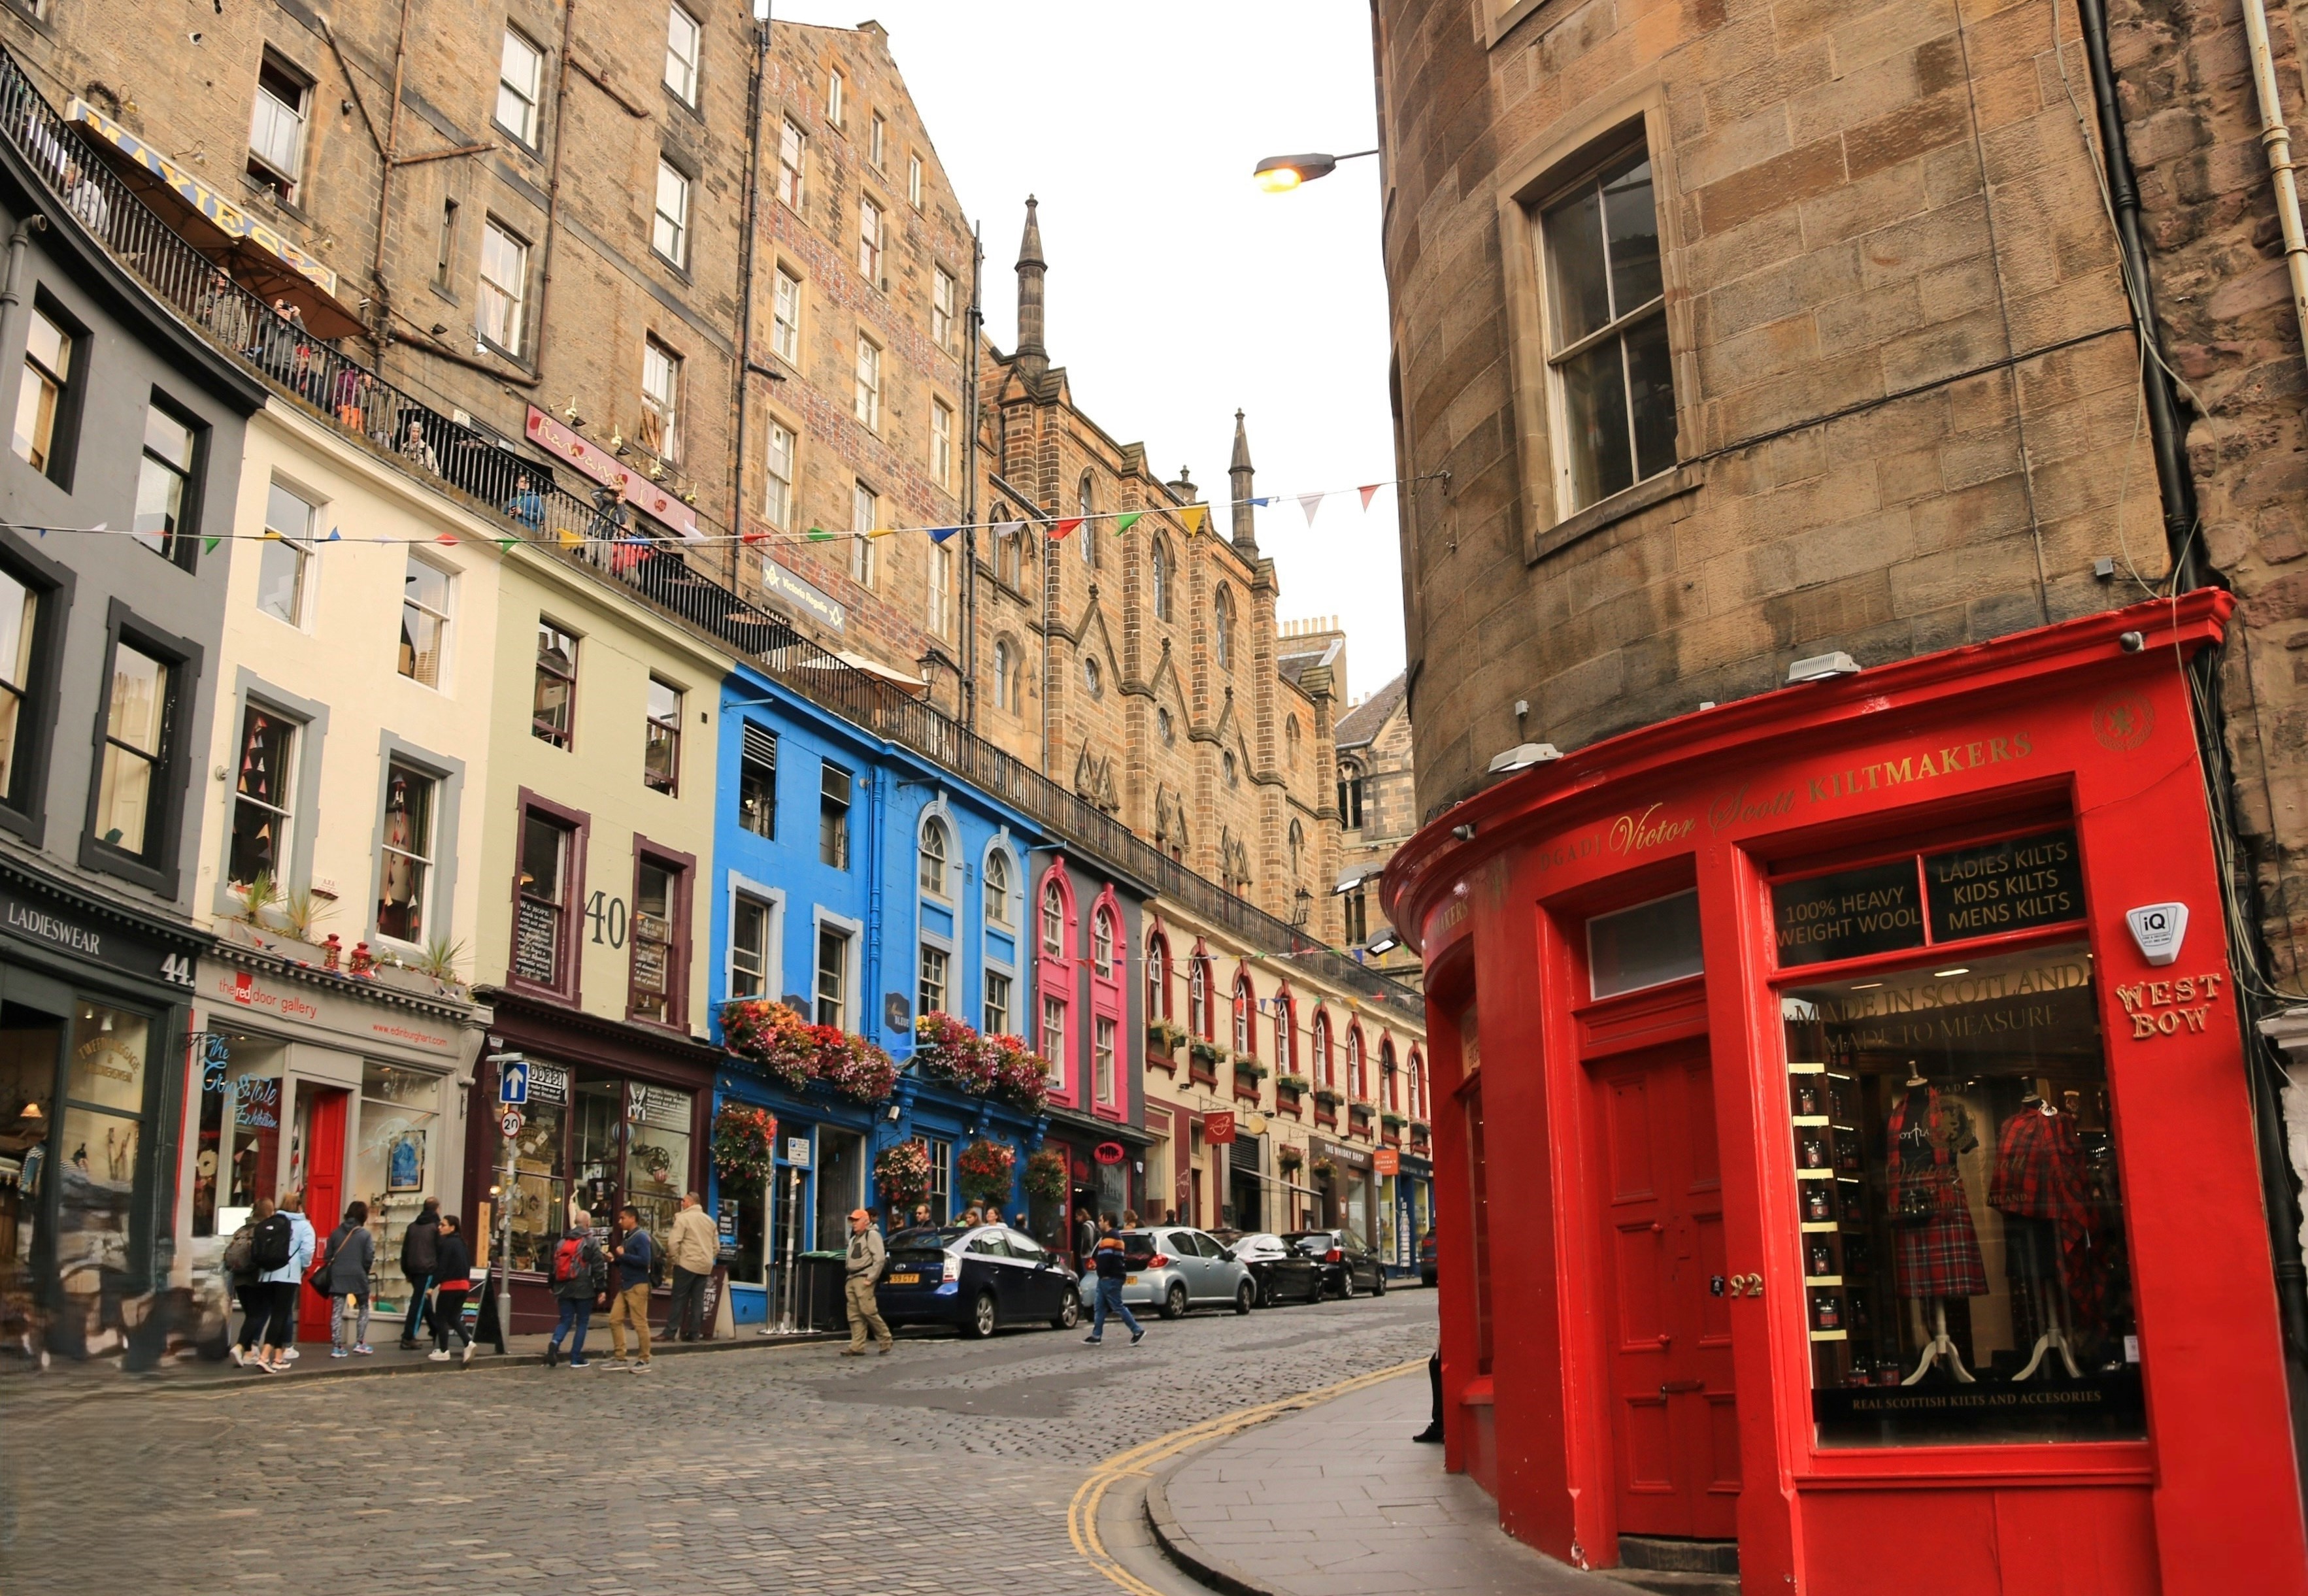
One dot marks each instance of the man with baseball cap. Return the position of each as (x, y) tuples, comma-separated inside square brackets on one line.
[(863, 1265)]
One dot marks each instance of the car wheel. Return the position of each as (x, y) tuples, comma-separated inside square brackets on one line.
[(1173, 1301), (1345, 1282), (1244, 1295), (1379, 1290), (1069, 1312), (982, 1317)]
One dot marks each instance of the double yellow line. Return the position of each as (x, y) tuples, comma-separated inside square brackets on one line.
[(1081, 1512)]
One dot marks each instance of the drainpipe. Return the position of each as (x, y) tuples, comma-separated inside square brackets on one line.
[(2277, 139), (746, 293), (977, 317), (11, 290), (384, 180), (552, 187)]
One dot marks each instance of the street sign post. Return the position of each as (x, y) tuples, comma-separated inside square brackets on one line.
[(512, 1091), (511, 1123), (512, 1083)]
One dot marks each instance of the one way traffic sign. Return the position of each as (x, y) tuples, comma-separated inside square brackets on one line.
[(512, 1083)]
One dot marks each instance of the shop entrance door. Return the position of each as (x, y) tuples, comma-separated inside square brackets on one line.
[(1674, 1418), (321, 1140)]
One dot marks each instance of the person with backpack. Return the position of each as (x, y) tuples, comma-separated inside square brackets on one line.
[(454, 1261), (1113, 1261), (342, 1275), (240, 1269), (288, 1237), (417, 1267), (634, 1260), (579, 1271)]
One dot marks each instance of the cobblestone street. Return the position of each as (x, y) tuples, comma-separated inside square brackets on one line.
[(946, 1466)]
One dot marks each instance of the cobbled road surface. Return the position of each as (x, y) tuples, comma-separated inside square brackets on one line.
[(946, 1466)]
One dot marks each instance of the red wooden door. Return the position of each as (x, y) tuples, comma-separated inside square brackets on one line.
[(324, 1192), (1675, 1419)]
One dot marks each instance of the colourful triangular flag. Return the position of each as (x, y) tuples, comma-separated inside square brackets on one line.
[(940, 534), (880, 532), (272, 536), (506, 544), (820, 535), (571, 538), (1008, 529), (334, 536), (208, 544), (1193, 516), (750, 537), (1123, 523), (445, 538), (1065, 526), (1262, 503), (1369, 491), (1310, 503)]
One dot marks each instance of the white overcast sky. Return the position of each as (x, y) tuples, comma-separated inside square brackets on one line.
[(1178, 292)]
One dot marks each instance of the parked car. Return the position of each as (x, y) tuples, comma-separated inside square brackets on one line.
[(1175, 1268), (979, 1279), (1280, 1272), (1428, 1253), (1347, 1264)]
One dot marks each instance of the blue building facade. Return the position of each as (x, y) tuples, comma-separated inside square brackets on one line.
[(861, 885)]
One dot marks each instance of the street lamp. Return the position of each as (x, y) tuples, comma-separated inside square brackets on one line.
[(1280, 174)]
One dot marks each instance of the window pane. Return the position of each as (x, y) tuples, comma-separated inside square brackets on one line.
[(138, 682), (681, 52), (654, 940), (554, 711), (997, 1004), (160, 503), (1651, 395), (280, 565), (19, 612), (661, 754), (261, 792), (408, 855), (517, 88), (672, 223), (107, 1071), (1573, 232), (1631, 222), (1595, 418), (168, 438), (749, 942), (1647, 945), (503, 288), (45, 342)]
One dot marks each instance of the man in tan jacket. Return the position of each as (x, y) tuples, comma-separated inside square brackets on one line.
[(691, 1249)]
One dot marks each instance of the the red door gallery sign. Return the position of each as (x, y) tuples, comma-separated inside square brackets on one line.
[(1218, 1129)]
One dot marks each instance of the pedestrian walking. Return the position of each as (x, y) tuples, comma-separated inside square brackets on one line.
[(691, 1249), (281, 1282), (247, 1290), (417, 1267), (1112, 1269), (454, 1263), (863, 1271), (579, 1272), (1085, 1238), (632, 1257), (347, 1263)]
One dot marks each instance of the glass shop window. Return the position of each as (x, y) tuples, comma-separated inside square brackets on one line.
[(657, 1163), (1966, 1276), (1648, 945), (395, 1161), (539, 1154)]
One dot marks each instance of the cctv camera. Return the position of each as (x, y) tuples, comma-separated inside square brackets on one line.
[(194, 36)]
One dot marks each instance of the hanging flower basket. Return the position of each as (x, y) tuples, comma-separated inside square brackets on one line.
[(772, 1038), (1291, 1158), (946, 1049), (1295, 1084), (1045, 1176), (985, 1169), (1019, 1078), (853, 1066), (1326, 1166), (1328, 1096), (902, 1172), (745, 1143)]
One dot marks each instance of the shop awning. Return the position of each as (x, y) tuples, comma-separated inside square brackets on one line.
[(257, 255)]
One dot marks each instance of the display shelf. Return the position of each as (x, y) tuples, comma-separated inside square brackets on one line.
[(1793, 1068), (1808, 1174), (1811, 1118), (1827, 1226), (1830, 1335)]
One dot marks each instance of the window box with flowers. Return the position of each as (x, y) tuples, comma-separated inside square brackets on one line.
[(1248, 1072), (1394, 1121), (1020, 1078), (987, 1169), (854, 1067), (947, 1050), (775, 1040), (1203, 1060), (1329, 1097), (902, 1172), (1360, 1115), (1162, 1040), (1290, 1092)]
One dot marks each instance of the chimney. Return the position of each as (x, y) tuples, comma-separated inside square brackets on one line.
[(1183, 489), (1245, 530), (1033, 357)]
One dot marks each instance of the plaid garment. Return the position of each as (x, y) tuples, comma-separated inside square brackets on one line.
[(1940, 1259), (2039, 1174)]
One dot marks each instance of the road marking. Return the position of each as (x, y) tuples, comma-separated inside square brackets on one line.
[(1081, 1512)]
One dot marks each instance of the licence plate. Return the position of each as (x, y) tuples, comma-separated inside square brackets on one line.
[(905, 1280), (1132, 1280)]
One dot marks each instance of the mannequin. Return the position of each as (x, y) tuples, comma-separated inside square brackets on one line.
[(1935, 1251), (2038, 1188)]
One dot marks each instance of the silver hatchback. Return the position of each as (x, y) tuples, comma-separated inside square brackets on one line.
[(1173, 1268)]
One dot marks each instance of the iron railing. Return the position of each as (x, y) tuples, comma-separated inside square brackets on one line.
[(595, 532)]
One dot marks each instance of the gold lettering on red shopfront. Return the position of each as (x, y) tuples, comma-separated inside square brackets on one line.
[(2158, 1009), (1926, 764), (1633, 833)]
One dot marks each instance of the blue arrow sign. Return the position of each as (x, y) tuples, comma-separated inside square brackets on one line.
[(512, 1086)]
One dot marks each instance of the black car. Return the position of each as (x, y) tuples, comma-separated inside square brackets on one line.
[(1280, 1272), (979, 1279), (1429, 1251), (1347, 1265)]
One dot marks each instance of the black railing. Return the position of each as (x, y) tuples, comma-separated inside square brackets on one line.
[(595, 531)]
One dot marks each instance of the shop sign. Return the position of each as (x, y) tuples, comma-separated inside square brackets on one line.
[(659, 1106), (1218, 1129), (1345, 1156), (547, 1083), (116, 949), (725, 1228), (259, 1105), (797, 1151), (212, 1051), (820, 606), (1386, 1160), (603, 468), (1107, 1152), (2160, 1009), (2008, 886), (1848, 914)]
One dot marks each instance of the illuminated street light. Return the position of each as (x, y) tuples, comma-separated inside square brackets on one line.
[(1280, 174)]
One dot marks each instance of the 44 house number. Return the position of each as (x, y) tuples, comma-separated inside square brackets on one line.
[(607, 916)]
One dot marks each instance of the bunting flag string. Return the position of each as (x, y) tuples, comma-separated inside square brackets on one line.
[(1310, 503), (1369, 492)]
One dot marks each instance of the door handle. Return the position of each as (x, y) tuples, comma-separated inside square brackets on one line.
[(1671, 1387)]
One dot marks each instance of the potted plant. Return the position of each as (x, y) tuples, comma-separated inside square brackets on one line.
[(1392, 1121), (745, 1143), (1045, 1176), (1329, 1097), (772, 1038), (985, 1169), (902, 1172)]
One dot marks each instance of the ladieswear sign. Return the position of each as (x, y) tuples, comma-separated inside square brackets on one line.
[(1984, 890)]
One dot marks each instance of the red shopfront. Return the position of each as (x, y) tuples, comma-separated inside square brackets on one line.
[(1824, 1166)]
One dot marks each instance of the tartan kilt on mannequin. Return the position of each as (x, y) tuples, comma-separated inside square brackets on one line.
[(1940, 1257)]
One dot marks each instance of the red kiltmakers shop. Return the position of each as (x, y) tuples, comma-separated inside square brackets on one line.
[(1866, 1181)]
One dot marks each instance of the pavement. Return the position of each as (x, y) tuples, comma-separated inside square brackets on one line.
[(1338, 1500)]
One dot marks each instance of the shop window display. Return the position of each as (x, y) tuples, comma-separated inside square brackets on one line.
[(96, 1153), (595, 1145), (540, 1190), (1961, 1219), (393, 1168), (29, 1043)]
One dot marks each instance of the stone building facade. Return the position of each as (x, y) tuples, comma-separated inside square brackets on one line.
[(1378, 810)]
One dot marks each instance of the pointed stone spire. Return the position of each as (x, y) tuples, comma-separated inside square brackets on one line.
[(1033, 357), (1246, 529)]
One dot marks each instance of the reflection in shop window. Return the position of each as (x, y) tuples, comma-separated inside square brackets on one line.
[(395, 1162), (405, 869), (657, 1162), (1966, 1276), (540, 1191)]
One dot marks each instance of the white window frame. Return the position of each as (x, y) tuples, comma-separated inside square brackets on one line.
[(854, 931), (835, 83), (265, 129), (657, 359), (1106, 1064), (933, 949), (425, 851), (864, 559), (866, 395), (683, 71), (940, 590), (941, 419), (669, 230), (914, 180), (299, 545), (936, 886), (793, 165), (872, 233), (785, 317), (284, 786), (529, 98), (447, 617), (773, 951), (877, 141), (494, 300), (945, 296), (777, 468), (1007, 918), (1003, 974)]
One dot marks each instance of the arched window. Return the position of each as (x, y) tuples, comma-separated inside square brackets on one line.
[(1350, 795), (1159, 566), (1101, 944), (1222, 629), (1290, 741), (935, 851), (1053, 920), (1386, 1072), (1418, 1086), (1245, 1005), (1285, 1034), (1002, 674), (997, 888), (1355, 1089), (1297, 848), (1198, 997), (1158, 978), (1325, 1067), (1086, 507)]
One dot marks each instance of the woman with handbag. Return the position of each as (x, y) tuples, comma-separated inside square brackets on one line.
[(342, 1275)]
